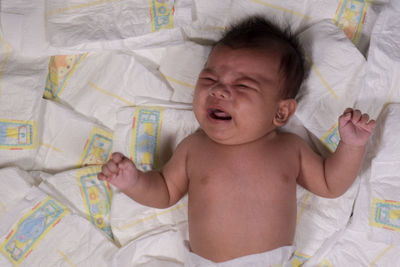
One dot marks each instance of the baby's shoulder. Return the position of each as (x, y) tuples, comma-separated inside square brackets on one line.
[(290, 139), (193, 139)]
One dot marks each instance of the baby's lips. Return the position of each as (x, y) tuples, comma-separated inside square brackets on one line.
[(219, 114)]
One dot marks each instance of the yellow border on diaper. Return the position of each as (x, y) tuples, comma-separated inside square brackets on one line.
[(3, 207), (299, 258), (51, 147), (94, 86), (32, 138), (15, 229), (88, 170), (80, 6), (150, 217), (3, 64), (215, 28), (380, 256), (172, 79), (96, 132), (318, 73), (384, 206), (65, 257), (325, 263), (390, 97), (303, 205), (134, 135), (296, 13), (345, 18)]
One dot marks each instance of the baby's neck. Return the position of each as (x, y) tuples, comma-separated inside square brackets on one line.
[(268, 137)]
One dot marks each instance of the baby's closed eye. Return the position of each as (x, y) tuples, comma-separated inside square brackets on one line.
[(242, 86), (207, 80)]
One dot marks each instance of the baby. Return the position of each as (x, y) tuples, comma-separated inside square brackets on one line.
[(239, 172)]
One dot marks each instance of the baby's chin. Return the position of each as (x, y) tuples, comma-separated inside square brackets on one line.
[(230, 141), (222, 140)]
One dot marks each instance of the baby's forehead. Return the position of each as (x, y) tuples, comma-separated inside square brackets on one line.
[(244, 59)]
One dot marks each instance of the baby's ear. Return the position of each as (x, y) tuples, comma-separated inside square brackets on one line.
[(286, 109)]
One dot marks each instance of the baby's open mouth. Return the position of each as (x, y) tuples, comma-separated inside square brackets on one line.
[(219, 114)]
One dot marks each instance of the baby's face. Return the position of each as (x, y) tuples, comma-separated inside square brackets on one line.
[(237, 94)]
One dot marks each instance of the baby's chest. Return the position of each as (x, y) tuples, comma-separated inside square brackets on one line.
[(255, 162), (254, 188), (242, 173)]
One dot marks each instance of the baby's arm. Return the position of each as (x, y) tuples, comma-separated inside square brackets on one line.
[(334, 175), (153, 188)]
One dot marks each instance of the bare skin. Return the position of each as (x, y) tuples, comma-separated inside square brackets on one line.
[(239, 173)]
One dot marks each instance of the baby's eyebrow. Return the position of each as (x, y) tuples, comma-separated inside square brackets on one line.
[(258, 79), (209, 70), (245, 78)]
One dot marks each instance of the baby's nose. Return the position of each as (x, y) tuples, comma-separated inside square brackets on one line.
[(220, 91)]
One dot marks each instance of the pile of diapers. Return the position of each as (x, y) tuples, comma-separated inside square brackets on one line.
[(372, 236), (81, 79), (37, 229)]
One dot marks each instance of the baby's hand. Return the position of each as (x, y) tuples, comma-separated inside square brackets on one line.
[(119, 171), (355, 128)]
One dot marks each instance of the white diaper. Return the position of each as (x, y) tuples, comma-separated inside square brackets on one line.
[(277, 257)]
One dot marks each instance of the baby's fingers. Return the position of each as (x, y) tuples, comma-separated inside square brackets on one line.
[(365, 123), (109, 170), (102, 177), (345, 117), (112, 166), (370, 126), (117, 157), (356, 116), (347, 111)]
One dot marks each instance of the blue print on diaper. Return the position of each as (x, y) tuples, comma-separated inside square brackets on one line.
[(17, 134), (350, 17), (331, 138), (145, 137), (386, 214), (162, 14), (61, 68), (98, 148), (32, 228), (97, 196)]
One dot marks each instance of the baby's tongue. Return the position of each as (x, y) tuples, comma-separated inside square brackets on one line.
[(221, 114)]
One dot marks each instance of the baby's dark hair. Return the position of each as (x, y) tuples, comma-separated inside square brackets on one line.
[(258, 32)]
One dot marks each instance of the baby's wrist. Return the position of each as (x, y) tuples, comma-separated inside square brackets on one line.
[(353, 146), (131, 185)]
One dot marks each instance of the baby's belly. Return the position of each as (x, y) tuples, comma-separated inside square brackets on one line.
[(235, 224)]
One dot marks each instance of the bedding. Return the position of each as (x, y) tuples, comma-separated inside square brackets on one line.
[(80, 79)]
